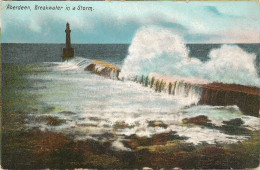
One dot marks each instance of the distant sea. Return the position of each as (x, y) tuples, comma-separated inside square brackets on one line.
[(35, 53)]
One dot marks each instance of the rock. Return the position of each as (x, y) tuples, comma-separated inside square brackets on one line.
[(122, 125), (86, 125), (234, 122), (103, 136), (157, 124), (163, 138), (233, 127), (135, 141), (234, 130), (198, 120), (94, 119), (54, 121)]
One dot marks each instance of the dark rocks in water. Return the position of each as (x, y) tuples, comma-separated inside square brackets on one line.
[(198, 120), (122, 125), (106, 126), (103, 136), (234, 130), (86, 125), (157, 124), (234, 122), (162, 138), (67, 112), (54, 121), (94, 119), (135, 141), (234, 127)]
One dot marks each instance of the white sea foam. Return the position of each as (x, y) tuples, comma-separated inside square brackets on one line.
[(161, 51), (231, 64), (100, 104), (75, 64)]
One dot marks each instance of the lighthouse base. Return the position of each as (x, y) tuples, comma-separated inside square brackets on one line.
[(68, 53)]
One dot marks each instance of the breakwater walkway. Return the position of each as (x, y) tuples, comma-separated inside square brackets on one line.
[(247, 98)]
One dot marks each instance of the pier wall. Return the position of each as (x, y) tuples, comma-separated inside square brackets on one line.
[(104, 69), (247, 98)]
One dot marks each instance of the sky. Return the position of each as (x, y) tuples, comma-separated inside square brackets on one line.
[(117, 22)]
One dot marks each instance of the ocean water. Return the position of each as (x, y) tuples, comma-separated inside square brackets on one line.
[(94, 107), (36, 53)]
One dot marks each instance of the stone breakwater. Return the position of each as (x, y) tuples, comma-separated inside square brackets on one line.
[(104, 69), (247, 98)]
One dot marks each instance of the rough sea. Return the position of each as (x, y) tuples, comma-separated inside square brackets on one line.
[(92, 106)]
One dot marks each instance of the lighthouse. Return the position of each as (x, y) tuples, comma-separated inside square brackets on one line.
[(68, 51)]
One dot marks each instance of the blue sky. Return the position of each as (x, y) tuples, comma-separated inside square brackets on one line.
[(117, 22)]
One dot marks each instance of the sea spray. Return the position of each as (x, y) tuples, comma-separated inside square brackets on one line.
[(159, 50), (231, 64), (150, 44), (76, 64)]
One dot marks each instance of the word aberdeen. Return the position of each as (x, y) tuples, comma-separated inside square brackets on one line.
[(18, 7)]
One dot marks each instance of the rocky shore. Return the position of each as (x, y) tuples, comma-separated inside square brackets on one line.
[(37, 149), (34, 148)]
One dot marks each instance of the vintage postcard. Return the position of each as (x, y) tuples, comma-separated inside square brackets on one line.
[(130, 85)]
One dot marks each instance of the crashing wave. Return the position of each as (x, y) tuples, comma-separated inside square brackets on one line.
[(160, 50)]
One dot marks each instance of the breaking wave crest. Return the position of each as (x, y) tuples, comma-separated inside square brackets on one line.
[(75, 64), (160, 50)]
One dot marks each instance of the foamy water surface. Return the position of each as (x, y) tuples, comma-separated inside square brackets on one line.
[(92, 106)]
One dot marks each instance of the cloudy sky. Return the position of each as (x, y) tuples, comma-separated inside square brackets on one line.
[(117, 22)]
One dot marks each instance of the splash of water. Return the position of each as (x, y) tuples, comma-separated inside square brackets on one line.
[(231, 64), (76, 64), (160, 50)]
